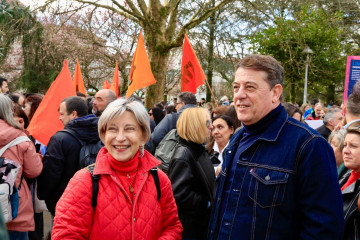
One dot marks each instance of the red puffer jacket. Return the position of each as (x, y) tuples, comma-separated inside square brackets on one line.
[(116, 216)]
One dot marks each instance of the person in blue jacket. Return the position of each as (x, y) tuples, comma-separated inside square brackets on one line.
[(278, 179)]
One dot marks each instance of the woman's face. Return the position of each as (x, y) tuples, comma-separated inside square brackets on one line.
[(221, 132), (123, 137), (335, 144), (351, 151), (20, 121), (27, 108), (151, 114)]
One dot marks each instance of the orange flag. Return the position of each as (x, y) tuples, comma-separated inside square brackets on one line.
[(140, 73), (45, 121), (116, 82), (192, 75), (78, 80), (106, 85)]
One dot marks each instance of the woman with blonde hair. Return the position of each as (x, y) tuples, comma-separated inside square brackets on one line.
[(131, 202), (191, 173)]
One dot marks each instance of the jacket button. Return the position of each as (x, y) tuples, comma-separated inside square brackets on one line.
[(229, 151), (134, 219), (267, 178)]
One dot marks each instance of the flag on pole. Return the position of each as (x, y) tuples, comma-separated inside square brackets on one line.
[(78, 80), (116, 82), (45, 121), (140, 73), (106, 85), (192, 75)]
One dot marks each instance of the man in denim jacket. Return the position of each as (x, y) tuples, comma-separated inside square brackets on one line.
[(278, 179)]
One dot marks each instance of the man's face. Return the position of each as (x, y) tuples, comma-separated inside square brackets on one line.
[(4, 87), (253, 97), (337, 118), (64, 116), (318, 110), (179, 105), (100, 102)]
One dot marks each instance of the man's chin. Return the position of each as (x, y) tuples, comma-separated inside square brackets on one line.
[(96, 112)]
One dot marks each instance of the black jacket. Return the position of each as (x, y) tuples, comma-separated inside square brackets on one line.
[(62, 157), (193, 187), (351, 211), (324, 131)]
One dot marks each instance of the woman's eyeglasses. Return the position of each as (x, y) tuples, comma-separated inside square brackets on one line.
[(150, 114)]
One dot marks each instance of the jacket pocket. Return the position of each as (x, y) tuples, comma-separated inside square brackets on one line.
[(267, 187)]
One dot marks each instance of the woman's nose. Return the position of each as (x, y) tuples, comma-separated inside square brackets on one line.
[(120, 137)]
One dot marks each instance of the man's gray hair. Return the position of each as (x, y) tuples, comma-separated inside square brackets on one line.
[(330, 115), (6, 112), (319, 104), (117, 108), (187, 98)]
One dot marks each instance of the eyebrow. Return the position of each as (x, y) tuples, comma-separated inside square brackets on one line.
[(247, 82)]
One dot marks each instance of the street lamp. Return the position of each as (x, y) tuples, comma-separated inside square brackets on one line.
[(307, 51)]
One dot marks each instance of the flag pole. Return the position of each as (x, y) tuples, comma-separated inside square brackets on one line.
[(212, 94)]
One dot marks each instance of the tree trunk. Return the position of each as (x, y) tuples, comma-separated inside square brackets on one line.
[(210, 69), (330, 93), (155, 93)]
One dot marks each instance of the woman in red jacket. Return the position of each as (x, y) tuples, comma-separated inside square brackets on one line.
[(127, 202)]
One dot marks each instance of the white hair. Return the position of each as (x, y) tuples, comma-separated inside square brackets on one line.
[(117, 108)]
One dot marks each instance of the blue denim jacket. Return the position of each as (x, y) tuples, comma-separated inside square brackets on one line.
[(285, 187)]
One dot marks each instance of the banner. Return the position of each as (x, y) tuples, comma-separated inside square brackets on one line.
[(352, 75)]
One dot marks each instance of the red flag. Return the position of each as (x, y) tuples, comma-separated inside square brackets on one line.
[(106, 85), (192, 75), (45, 121), (116, 82), (140, 74), (78, 80)]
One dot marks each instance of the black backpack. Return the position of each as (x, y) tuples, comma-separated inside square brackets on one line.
[(88, 151), (95, 183)]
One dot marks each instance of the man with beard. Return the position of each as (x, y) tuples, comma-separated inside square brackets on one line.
[(102, 99)]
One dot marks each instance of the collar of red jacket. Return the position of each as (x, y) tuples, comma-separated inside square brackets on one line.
[(102, 165)]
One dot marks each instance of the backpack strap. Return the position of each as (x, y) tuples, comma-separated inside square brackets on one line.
[(14, 142), (155, 175), (73, 134), (95, 185)]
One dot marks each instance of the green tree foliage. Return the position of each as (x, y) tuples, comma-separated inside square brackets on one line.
[(288, 37), (15, 22)]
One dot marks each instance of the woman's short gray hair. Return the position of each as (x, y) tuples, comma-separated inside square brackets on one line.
[(117, 108), (6, 112), (340, 135)]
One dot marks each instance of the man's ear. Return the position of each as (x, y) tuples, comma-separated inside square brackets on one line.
[(277, 90), (74, 114)]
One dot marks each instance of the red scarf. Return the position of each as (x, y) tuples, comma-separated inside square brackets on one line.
[(353, 177), (125, 169)]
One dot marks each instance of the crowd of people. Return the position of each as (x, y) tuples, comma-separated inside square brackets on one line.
[(251, 168)]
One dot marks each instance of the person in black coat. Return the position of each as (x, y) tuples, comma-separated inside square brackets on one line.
[(350, 183), (191, 173), (61, 160)]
